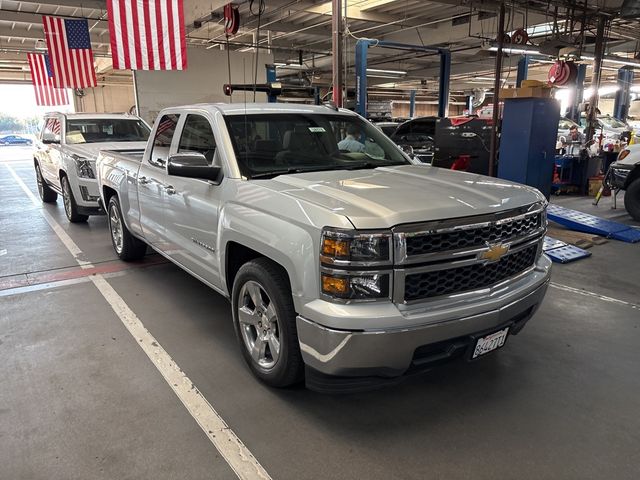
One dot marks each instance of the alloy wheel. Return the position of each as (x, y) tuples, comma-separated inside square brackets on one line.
[(115, 225), (40, 182), (259, 325), (66, 198)]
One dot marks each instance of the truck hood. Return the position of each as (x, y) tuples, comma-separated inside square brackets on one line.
[(91, 150), (389, 196)]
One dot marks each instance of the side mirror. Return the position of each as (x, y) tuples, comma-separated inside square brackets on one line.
[(192, 165), (50, 138)]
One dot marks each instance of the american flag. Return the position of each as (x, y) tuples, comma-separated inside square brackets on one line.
[(41, 77), (147, 34), (70, 51)]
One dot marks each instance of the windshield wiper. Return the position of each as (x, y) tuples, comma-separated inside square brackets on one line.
[(275, 173)]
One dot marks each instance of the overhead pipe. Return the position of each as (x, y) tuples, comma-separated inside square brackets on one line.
[(337, 50), (592, 115)]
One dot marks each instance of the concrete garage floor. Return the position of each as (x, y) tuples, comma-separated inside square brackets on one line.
[(80, 399)]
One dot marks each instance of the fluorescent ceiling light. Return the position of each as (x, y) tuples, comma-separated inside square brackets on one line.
[(617, 60), (522, 51), (391, 72)]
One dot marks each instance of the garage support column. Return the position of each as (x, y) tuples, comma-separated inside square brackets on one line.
[(592, 115), (336, 45), (623, 95), (574, 111), (493, 147), (523, 70), (445, 74), (412, 104)]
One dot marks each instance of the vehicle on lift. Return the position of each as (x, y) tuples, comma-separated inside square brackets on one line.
[(624, 174), (15, 140), (611, 129), (417, 138), (346, 263), (65, 154)]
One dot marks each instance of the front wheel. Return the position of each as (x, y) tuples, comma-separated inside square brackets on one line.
[(127, 246), (70, 206), (265, 323), (632, 199)]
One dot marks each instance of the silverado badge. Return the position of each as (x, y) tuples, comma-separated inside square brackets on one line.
[(495, 252)]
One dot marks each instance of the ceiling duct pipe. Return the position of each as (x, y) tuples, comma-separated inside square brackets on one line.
[(493, 148)]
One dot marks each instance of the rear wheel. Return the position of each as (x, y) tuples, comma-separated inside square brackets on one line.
[(632, 199), (46, 193), (265, 323), (127, 246), (70, 206)]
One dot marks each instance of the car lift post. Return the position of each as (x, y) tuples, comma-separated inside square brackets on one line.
[(574, 111), (523, 70), (362, 47), (412, 104), (623, 95), (271, 78)]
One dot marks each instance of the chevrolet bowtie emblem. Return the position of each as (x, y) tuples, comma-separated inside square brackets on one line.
[(495, 252)]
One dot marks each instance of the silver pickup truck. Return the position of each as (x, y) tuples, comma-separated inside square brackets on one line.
[(344, 261)]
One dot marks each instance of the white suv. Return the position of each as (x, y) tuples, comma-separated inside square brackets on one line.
[(65, 155)]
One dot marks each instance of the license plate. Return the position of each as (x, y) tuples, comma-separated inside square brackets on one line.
[(490, 342)]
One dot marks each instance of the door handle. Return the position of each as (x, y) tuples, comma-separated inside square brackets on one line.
[(143, 180), (170, 190)]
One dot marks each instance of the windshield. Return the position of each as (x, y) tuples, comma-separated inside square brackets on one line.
[(96, 130), (274, 144)]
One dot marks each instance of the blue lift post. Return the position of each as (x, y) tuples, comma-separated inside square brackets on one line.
[(362, 47), (412, 104), (523, 70), (271, 78), (574, 111), (623, 95)]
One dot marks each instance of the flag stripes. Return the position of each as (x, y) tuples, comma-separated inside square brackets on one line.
[(147, 34), (70, 52), (46, 93)]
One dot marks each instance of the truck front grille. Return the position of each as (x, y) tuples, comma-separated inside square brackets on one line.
[(444, 258), (461, 238), (470, 277)]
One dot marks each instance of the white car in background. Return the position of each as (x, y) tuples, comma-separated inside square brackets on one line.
[(66, 151), (624, 174)]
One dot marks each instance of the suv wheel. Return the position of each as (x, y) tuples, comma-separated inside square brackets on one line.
[(47, 195), (127, 246), (265, 323), (632, 199), (70, 206)]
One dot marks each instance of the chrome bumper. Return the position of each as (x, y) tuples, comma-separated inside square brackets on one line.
[(390, 352)]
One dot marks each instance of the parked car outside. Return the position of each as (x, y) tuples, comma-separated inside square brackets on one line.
[(15, 140), (345, 264)]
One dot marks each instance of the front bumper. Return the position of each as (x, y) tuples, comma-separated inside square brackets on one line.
[(392, 352), (619, 175), (86, 194)]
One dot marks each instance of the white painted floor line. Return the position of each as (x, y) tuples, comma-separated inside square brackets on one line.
[(587, 293), (236, 454)]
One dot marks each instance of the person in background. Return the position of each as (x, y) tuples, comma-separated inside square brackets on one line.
[(350, 142), (575, 137)]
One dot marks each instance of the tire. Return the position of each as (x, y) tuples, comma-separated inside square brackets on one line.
[(265, 323), (47, 195), (632, 199), (127, 247), (70, 205)]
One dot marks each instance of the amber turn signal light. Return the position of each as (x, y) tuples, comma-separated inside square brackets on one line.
[(338, 286)]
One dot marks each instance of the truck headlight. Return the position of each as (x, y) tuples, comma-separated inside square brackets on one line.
[(342, 247), (83, 167), (355, 265)]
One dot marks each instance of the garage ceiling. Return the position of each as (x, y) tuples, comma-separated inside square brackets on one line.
[(297, 29)]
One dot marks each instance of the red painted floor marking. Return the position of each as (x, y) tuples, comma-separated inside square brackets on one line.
[(29, 279)]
